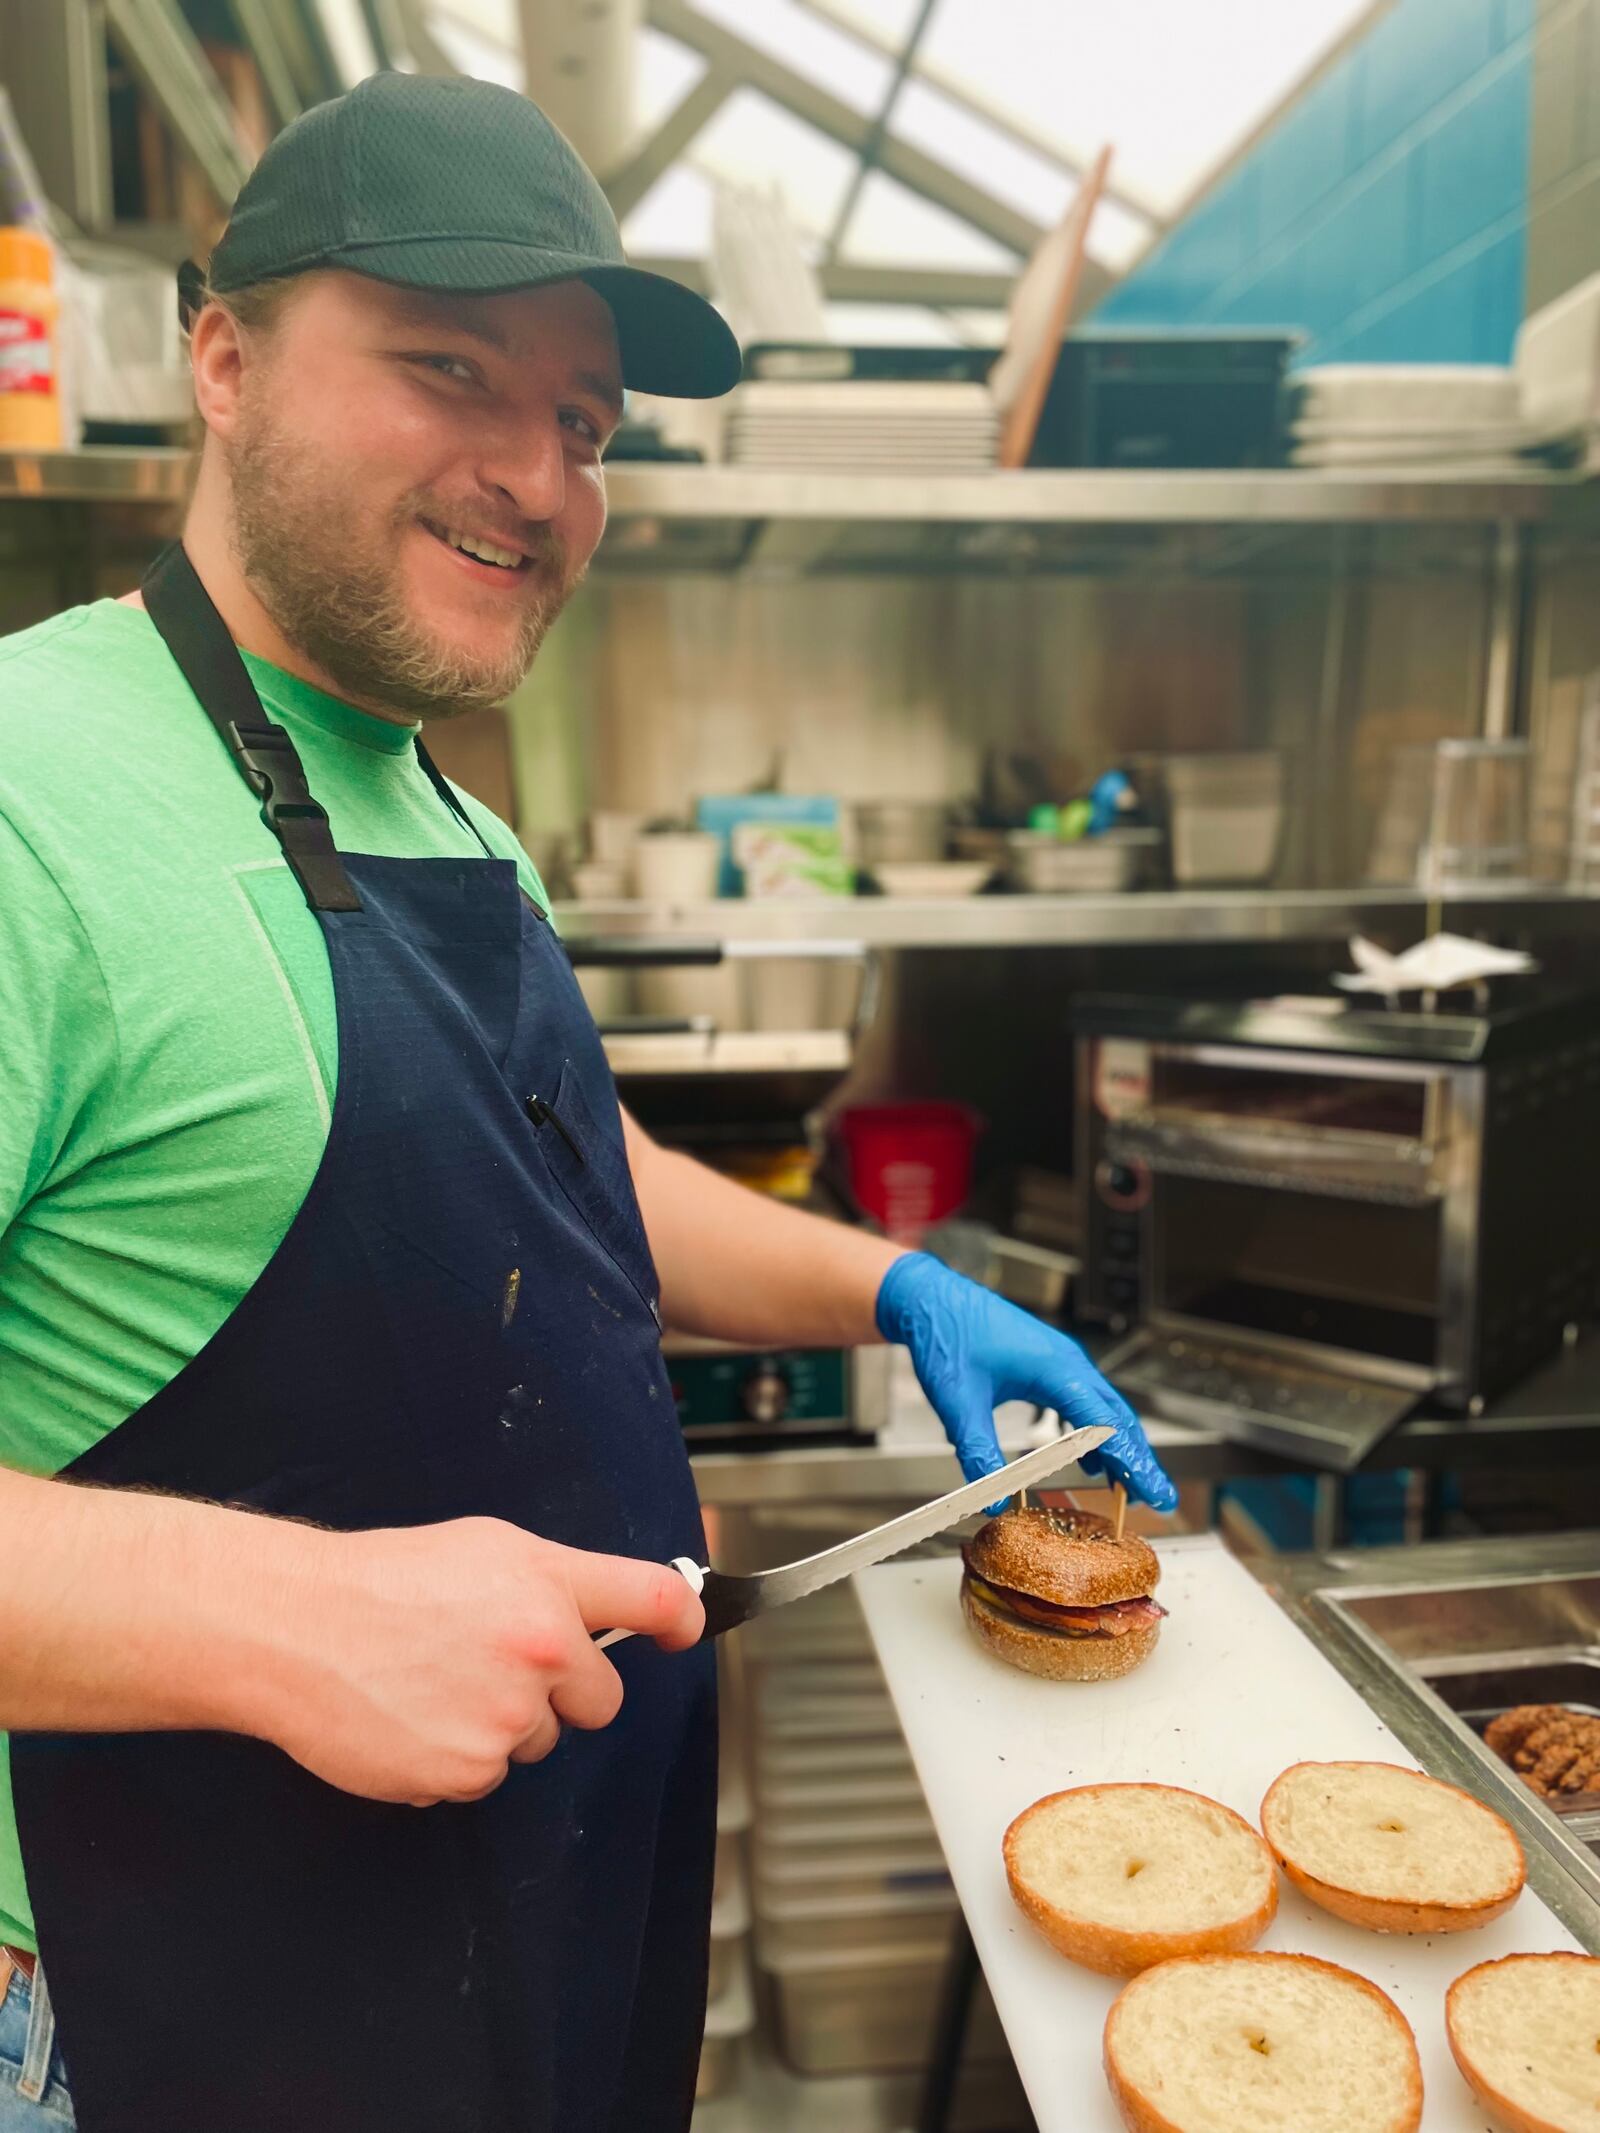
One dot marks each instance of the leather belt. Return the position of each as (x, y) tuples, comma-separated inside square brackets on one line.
[(15, 1959)]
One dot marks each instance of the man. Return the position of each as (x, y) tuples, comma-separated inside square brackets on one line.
[(330, 1273)]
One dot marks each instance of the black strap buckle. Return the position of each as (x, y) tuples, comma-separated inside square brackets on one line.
[(272, 768)]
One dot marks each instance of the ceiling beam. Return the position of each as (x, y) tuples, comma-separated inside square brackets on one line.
[(304, 52), (579, 59), (426, 50), (259, 29), (819, 107), (843, 16), (345, 35), (163, 51), (872, 154), (627, 185)]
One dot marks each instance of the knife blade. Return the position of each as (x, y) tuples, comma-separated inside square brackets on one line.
[(730, 1600)]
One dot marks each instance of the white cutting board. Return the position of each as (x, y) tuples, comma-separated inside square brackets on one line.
[(1232, 1695)]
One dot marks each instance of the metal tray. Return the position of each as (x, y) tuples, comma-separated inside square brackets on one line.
[(1472, 1648), (1478, 1689)]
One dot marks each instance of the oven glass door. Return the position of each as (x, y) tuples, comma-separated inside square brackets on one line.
[(1348, 1276), (1372, 1133)]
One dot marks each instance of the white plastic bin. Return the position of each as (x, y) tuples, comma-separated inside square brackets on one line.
[(915, 1921), (869, 2011), (817, 1794), (848, 1874), (729, 1870), (730, 2018), (843, 1699), (870, 1827), (782, 1760), (730, 1927)]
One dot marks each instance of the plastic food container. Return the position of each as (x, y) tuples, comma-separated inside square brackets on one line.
[(808, 1792), (915, 1921), (730, 2018), (787, 1761), (861, 1825), (730, 1927), (793, 1699), (850, 1877), (676, 867), (798, 1633), (897, 832), (866, 2010), (1108, 865), (910, 1165), (1224, 814)]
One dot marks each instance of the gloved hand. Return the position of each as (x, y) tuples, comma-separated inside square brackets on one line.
[(971, 1350)]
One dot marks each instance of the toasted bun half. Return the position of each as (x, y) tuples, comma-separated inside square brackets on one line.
[(1070, 1558), (1526, 2035), (1391, 1849), (1053, 1653), (1261, 2044), (1122, 1876)]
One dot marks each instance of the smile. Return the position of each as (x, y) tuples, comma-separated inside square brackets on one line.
[(478, 548)]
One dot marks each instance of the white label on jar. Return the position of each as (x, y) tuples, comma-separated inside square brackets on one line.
[(27, 354), (1121, 1077)]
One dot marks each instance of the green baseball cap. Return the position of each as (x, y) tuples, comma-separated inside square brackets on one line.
[(460, 185)]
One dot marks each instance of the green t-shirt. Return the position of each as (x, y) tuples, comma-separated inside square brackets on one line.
[(167, 1027)]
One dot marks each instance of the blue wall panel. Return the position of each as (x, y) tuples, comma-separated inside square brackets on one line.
[(1384, 215)]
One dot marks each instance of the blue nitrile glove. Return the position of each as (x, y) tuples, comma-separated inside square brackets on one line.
[(972, 1350)]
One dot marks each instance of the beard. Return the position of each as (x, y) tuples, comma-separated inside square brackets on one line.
[(329, 576)]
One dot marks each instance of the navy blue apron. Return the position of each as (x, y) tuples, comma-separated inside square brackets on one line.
[(460, 1322)]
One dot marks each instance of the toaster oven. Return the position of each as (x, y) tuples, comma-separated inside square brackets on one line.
[(1308, 1213)]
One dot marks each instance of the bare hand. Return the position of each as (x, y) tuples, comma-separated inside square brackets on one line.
[(418, 1664)]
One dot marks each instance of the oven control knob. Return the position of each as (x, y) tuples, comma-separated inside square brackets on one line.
[(765, 1392), (1123, 1186)]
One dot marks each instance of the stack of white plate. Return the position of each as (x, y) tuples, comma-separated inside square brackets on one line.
[(864, 426), (1436, 417)]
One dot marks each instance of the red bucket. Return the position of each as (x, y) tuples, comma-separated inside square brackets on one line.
[(910, 1164)]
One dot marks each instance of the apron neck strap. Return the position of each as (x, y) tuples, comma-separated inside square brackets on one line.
[(265, 755), (442, 786)]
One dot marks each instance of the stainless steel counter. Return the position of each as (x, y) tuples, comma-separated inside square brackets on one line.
[(639, 491), (1562, 1870), (1139, 918), (1554, 1418)]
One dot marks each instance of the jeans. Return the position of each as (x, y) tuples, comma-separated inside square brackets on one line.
[(33, 2085)]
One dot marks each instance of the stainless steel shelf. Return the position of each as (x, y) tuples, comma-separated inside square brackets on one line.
[(1084, 921), (645, 497), (1083, 496), (729, 1053), (104, 474)]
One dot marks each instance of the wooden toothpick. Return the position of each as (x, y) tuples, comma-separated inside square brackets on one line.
[(1120, 1497)]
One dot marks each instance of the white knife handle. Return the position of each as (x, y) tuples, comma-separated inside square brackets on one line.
[(693, 1576)]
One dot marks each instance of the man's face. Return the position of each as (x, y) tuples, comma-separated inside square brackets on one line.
[(380, 435)]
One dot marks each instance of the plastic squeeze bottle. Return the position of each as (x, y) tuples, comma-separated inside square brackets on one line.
[(30, 399)]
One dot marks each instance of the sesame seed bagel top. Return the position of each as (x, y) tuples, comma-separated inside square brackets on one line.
[(1069, 1558)]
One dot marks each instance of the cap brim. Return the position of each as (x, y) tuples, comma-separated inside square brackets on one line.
[(670, 339)]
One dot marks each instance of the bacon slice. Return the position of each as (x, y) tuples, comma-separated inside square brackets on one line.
[(1115, 1619)]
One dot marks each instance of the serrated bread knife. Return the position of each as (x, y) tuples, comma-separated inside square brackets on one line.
[(731, 1600)]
